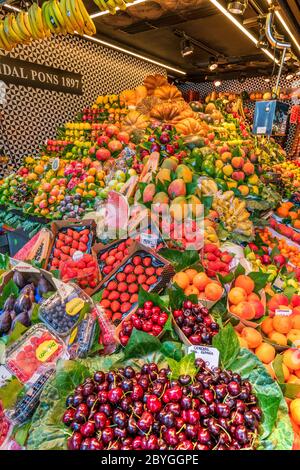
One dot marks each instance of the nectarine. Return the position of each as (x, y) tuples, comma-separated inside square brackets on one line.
[(237, 295)]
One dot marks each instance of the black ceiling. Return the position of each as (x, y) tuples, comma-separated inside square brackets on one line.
[(160, 39)]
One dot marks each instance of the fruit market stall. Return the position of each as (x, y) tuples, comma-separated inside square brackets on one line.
[(156, 303)]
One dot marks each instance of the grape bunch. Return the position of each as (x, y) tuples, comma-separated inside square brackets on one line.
[(21, 193), (148, 410)]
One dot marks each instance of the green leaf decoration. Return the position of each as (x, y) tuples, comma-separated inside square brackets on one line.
[(144, 296), (4, 262), (21, 433), (18, 330), (226, 341), (172, 349), (291, 391), (9, 393), (141, 344), (180, 260), (277, 367), (35, 314), (9, 289), (97, 297), (177, 297), (186, 366), (260, 280), (2, 352)]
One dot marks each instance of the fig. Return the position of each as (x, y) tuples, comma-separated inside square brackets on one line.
[(43, 286), (18, 279), (9, 303), (22, 318), (23, 303), (29, 291), (5, 322)]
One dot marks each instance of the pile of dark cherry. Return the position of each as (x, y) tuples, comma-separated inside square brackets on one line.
[(196, 323), (124, 409)]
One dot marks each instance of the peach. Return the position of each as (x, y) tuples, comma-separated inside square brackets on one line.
[(237, 295), (213, 291), (191, 273), (200, 281), (291, 358), (245, 310), (191, 290), (295, 301), (237, 162), (259, 308), (277, 300), (245, 282), (253, 297), (265, 353), (296, 311), (252, 336)]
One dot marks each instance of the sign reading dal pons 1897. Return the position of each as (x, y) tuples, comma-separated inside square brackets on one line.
[(25, 73)]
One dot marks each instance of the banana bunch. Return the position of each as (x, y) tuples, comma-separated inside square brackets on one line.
[(233, 213), (67, 16), (112, 5), (208, 187), (21, 28)]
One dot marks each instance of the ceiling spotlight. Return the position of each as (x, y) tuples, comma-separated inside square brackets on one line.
[(238, 7), (267, 80), (213, 65), (217, 83), (290, 76), (187, 47)]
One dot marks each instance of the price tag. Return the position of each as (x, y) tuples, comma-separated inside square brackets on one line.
[(5, 375), (23, 267), (55, 164), (77, 255), (45, 350), (261, 130), (209, 355), (283, 312), (74, 306), (149, 240), (64, 289)]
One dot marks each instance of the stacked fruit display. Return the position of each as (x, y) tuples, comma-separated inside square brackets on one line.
[(67, 242), (113, 257), (243, 301), (198, 283)]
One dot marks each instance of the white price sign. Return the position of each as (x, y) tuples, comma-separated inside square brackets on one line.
[(209, 355), (149, 240), (283, 312)]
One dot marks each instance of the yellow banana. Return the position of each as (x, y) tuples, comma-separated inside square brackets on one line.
[(8, 45), (121, 4), (58, 16), (22, 25), (70, 14), (89, 26), (12, 36), (17, 30), (38, 20), (47, 17), (76, 13), (26, 23), (31, 20), (63, 10)]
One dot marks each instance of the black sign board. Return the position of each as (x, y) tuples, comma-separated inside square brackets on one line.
[(25, 73)]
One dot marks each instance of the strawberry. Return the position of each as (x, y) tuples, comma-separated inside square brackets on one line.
[(76, 235), (121, 277), (145, 287), (131, 278), (56, 253), (151, 280), (64, 257), (108, 313), (133, 288), (125, 307), (134, 298), (105, 294), (226, 258), (141, 279), (113, 252), (80, 264), (124, 297), (82, 247), (110, 260), (92, 264), (159, 271), (119, 256), (139, 270), (122, 287), (104, 256), (105, 303), (211, 257), (210, 248), (75, 244), (68, 240), (83, 283), (128, 269), (55, 263), (116, 317), (107, 270), (115, 306), (59, 244), (85, 232), (72, 251), (114, 295), (116, 263), (61, 236), (126, 251), (147, 261), (69, 232), (137, 260), (84, 239), (93, 283), (150, 271), (129, 242), (65, 249), (112, 285), (121, 246)]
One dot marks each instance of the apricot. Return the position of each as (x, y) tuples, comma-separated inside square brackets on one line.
[(295, 410), (294, 336), (295, 321), (265, 353), (245, 282), (293, 379), (245, 310), (267, 325), (277, 300), (270, 370), (182, 280), (278, 338), (243, 342), (286, 372), (200, 281), (252, 337), (282, 324), (291, 358), (191, 290), (191, 273), (253, 297), (237, 295), (258, 307), (213, 291)]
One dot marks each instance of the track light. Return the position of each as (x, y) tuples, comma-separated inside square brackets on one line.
[(217, 83), (187, 47), (213, 65), (238, 7), (290, 76)]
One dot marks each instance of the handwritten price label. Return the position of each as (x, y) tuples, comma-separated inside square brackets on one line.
[(209, 355)]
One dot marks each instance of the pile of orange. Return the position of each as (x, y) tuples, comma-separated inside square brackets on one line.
[(287, 210), (243, 302), (282, 329), (251, 338), (198, 283)]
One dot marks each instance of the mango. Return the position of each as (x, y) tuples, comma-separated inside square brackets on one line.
[(244, 190), (238, 175), (179, 208), (177, 188), (253, 179), (195, 206), (248, 168), (227, 170), (237, 162), (160, 203), (170, 163), (149, 193), (163, 175), (184, 173)]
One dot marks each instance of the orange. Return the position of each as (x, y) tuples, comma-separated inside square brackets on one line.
[(191, 273), (89, 179), (181, 279), (278, 338), (252, 336), (92, 171), (237, 295), (245, 282), (267, 325), (191, 290), (270, 370), (295, 410), (213, 291), (291, 358), (282, 324), (265, 352), (200, 281)]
